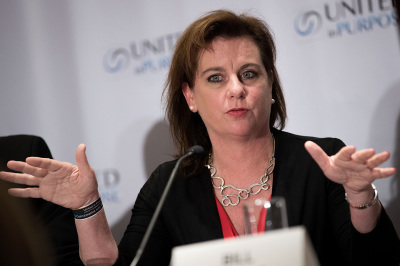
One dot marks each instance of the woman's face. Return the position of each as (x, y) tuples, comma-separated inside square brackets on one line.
[(232, 91)]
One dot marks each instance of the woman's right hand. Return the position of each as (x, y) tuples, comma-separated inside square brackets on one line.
[(65, 184)]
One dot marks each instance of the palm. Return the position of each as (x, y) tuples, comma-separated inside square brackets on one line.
[(354, 170), (67, 187), (350, 173)]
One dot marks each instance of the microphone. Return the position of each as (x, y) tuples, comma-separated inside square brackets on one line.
[(194, 150)]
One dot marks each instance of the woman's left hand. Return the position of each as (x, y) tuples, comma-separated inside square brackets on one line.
[(355, 170)]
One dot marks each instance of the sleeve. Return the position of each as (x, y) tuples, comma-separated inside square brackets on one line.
[(158, 249), (381, 246)]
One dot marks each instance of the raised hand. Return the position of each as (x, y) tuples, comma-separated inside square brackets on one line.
[(355, 170), (62, 183)]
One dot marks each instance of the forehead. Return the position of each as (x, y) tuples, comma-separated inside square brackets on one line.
[(222, 50)]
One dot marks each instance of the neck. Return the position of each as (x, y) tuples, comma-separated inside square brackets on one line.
[(239, 161), (228, 151)]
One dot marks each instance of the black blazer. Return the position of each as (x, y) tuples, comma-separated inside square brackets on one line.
[(190, 214), (57, 221)]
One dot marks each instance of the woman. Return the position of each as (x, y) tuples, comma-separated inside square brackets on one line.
[(223, 93)]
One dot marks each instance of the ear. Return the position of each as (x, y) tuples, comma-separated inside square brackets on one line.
[(271, 77), (188, 93)]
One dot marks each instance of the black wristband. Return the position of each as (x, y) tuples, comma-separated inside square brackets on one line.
[(88, 211)]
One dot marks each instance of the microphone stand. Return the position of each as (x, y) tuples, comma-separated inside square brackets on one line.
[(192, 151)]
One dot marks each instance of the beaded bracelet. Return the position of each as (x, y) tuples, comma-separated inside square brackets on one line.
[(88, 211), (375, 200)]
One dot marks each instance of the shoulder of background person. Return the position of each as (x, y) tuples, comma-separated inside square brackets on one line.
[(18, 147)]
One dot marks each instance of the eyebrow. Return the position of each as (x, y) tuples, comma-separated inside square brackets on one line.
[(211, 69), (250, 65), (220, 69)]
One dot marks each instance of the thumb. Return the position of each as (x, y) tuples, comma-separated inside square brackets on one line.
[(318, 154), (81, 160)]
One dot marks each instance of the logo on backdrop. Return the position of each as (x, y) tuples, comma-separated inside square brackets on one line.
[(308, 23), (140, 57), (345, 18), (108, 180)]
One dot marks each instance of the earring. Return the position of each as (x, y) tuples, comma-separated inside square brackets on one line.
[(191, 107), (273, 101)]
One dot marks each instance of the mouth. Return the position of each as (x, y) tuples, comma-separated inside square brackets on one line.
[(237, 112)]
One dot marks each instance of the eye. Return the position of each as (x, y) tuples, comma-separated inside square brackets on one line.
[(248, 74), (215, 78)]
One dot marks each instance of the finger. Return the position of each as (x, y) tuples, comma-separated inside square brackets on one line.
[(362, 156), (17, 178), (26, 168), (16, 165), (318, 154), (378, 173), (82, 161), (25, 192), (45, 163), (345, 153), (378, 159)]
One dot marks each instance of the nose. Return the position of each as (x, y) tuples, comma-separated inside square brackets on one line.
[(236, 88)]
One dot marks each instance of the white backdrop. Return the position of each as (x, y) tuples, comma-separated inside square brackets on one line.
[(93, 71)]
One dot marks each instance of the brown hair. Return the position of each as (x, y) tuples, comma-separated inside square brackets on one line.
[(187, 128)]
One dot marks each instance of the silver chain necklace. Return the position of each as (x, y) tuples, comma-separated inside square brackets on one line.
[(241, 193)]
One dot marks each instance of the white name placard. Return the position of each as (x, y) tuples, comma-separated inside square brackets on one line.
[(283, 247)]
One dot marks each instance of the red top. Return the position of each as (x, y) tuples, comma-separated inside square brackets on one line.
[(228, 230)]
